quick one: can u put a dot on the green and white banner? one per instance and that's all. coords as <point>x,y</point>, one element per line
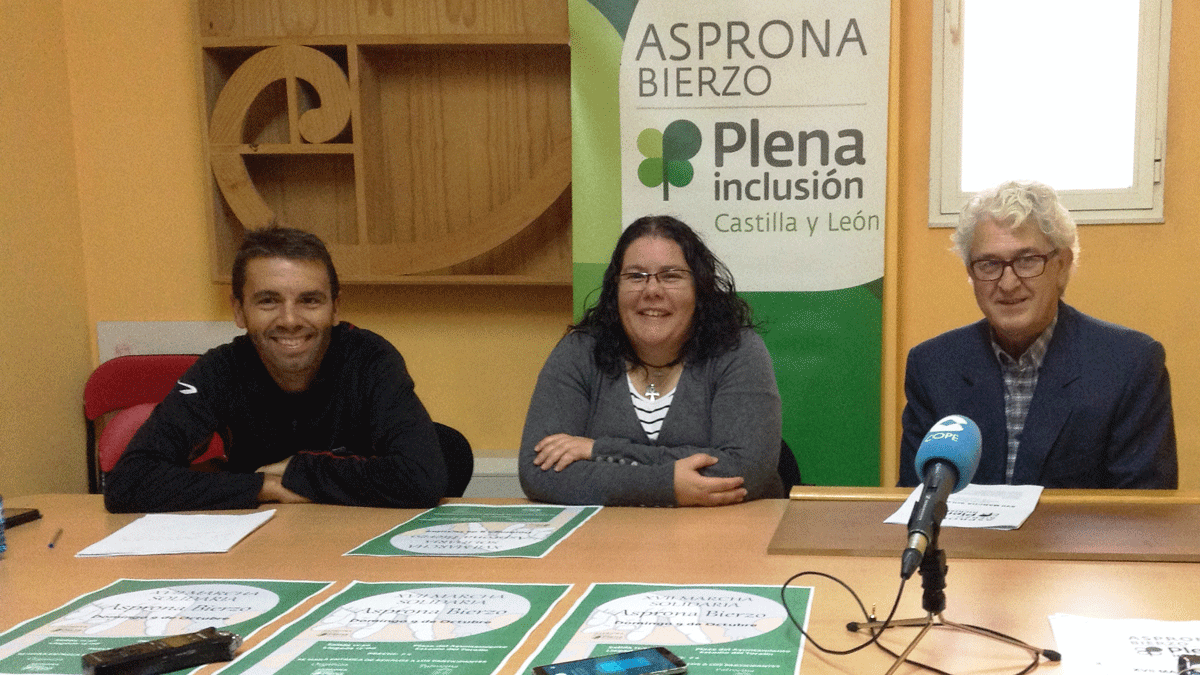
<point>764,127</point>
<point>726,629</point>
<point>133,610</point>
<point>481,531</point>
<point>384,628</point>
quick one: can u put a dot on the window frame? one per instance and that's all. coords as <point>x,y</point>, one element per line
<point>1140,203</point>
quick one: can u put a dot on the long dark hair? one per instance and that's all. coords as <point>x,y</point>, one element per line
<point>717,320</point>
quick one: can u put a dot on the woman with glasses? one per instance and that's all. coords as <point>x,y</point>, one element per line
<point>662,394</point>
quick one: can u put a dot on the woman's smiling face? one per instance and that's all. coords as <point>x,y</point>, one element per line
<point>657,320</point>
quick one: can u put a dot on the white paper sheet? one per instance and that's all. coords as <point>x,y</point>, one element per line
<point>1122,646</point>
<point>165,533</point>
<point>996,507</point>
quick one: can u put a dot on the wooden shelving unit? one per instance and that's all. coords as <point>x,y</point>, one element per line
<point>427,141</point>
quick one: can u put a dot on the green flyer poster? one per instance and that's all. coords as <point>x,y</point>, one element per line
<point>133,610</point>
<point>725,630</point>
<point>386,627</point>
<point>481,530</point>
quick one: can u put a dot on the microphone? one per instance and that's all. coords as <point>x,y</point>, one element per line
<point>946,461</point>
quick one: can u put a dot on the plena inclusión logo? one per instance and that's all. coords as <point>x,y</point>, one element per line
<point>667,153</point>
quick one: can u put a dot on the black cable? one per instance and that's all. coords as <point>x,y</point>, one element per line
<point>1050,654</point>
<point>1028,669</point>
<point>875,636</point>
<point>876,633</point>
<point>924,666</point>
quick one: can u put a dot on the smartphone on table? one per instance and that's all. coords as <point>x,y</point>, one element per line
<point>652,661</point>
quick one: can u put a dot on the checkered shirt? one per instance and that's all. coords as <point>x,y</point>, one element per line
<point>1020,380</point>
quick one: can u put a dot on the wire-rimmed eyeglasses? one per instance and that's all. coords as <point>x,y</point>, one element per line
<point>673,278</point>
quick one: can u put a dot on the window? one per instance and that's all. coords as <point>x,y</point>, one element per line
<point>1069,92</point>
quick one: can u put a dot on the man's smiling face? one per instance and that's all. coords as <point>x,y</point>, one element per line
<point>1018,309</point>
<point>289,314</point>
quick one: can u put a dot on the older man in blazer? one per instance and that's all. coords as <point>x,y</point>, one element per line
<point>1062,399</point>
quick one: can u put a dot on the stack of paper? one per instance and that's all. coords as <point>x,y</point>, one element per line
<point>1120,646</point>
<point>161,533</point>
<point>996,507</point>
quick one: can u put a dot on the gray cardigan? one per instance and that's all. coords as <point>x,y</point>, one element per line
<point>727,407</point>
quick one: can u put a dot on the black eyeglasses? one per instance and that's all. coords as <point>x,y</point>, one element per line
<point>668,278</point>
<point>1025,267</point>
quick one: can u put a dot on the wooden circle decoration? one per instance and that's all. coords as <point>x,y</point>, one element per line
<point>317,125</point>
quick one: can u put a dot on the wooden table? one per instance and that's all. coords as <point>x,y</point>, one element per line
<point>718,546</point>
<point>1134,525</point>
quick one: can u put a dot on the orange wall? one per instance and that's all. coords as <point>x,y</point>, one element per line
<point>474,353</point>
<point>124,88</point>
<point>1137,275</point>
<point>44,355</point>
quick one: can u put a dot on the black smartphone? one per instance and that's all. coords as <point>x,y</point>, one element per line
<point>652,661</point>
<point>15,517</point>
<point>1189,664</point>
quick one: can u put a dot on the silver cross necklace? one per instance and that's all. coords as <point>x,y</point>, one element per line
<point>658,372</point>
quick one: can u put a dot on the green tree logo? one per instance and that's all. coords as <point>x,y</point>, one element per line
<point>667,154</point>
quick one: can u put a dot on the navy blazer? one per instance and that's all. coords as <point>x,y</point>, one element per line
<point>1100,416</point>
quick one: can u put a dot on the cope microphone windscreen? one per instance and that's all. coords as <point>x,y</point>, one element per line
<point>954,439</point>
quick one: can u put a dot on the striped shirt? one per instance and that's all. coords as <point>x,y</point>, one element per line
<point>650,413</point>
<point>1020,380</point>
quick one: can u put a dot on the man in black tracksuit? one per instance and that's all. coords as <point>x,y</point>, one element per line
<point>309,409</point>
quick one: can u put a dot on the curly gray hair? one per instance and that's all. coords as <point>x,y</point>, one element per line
<point>1016,202</point>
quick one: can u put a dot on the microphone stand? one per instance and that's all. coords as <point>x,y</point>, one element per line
<point>933,600</point>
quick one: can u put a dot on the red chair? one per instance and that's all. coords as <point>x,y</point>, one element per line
<point>117,399</point>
